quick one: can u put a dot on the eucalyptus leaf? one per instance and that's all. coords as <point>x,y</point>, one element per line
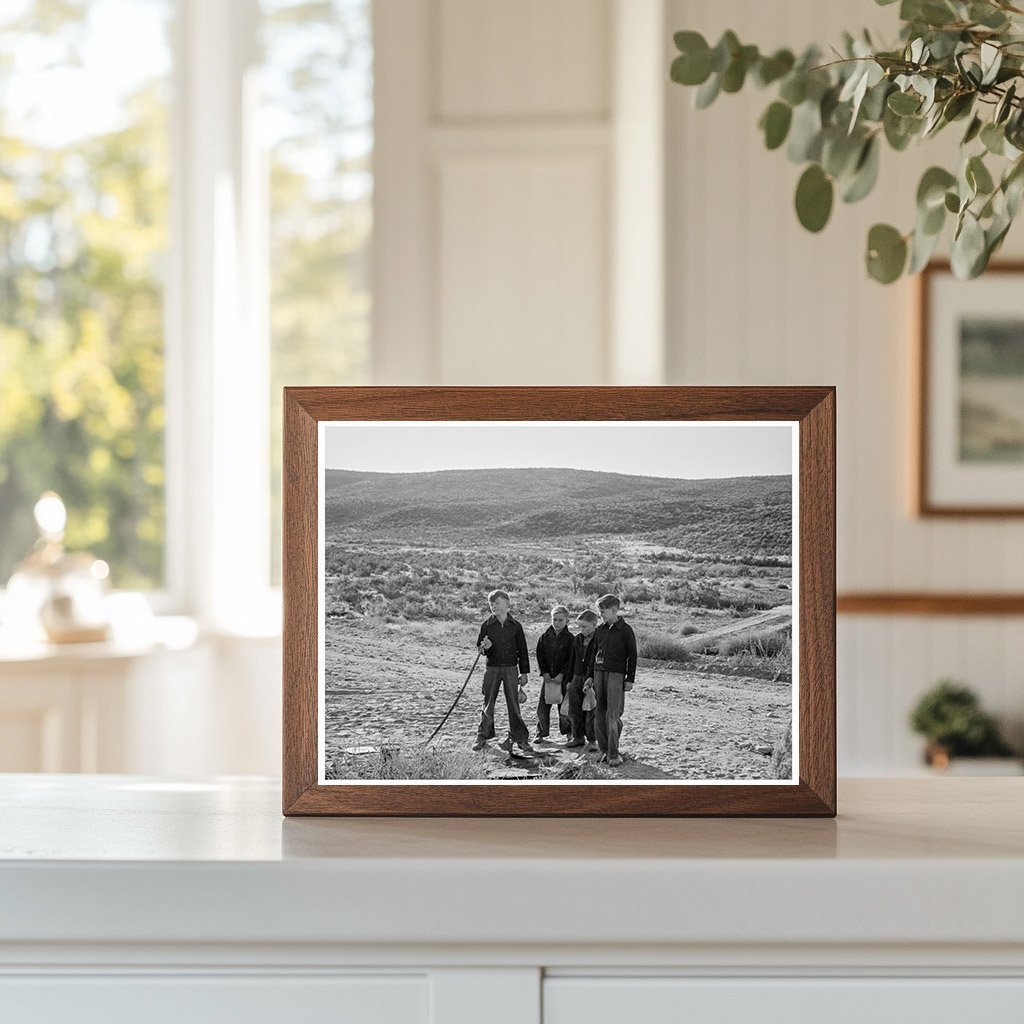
<point>966,187</point>
<point>814,195</point>
<point>933,122</point>
<point>724,51</point>
<point>735,74</point>
<point>968,247</point>
<point>1013,187</point>
<point>932,220</point>
<point>922,247</point>
<point>973,130</point>
<point>805,133</point>
<point>944,44</point>
<point>929,12</point>
<point>691,68</point>
<point>827,106</point>
<point>1014,191</point>
<point>840,152</point>
<point>873,106</point>
<point>707,93</point>
<point>993,138</point>
<point>995,233</point>
<point>1005,104</point>
<point>925,87</point>
<point>991,60</point>
<point>958,105</point>
<point>886,253</point>
<point>931,190</point>
<point>904,103</point>
<point>775,124</point>
<point>794,88</point>
<point>689,42</point>
<point>865,173</point>
<point>771,69</point>
<point>978,175</point>
<point>900,130</point>
<point>987,15</point>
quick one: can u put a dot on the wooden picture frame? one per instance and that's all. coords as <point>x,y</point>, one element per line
<point>926,503</point>
<point>812,791</point>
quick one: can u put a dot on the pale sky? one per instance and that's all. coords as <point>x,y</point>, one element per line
<point>678,450</point>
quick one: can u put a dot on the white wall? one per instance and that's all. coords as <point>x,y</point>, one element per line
<point>754,299</point>
<point>518,240</point>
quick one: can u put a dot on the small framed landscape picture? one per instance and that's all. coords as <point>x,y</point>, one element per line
<point>559,601</point>
<point>970,450</point>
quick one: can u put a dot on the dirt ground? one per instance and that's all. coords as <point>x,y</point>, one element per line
<point>390,684</point>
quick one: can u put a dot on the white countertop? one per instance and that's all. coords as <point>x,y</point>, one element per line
<point>124,859</point>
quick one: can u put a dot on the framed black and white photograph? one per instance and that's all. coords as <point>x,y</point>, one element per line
<point>971,393</point>
<point>599,611</point>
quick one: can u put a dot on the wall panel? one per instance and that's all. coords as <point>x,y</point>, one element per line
<point>521,290</point>
<point>529,58</point>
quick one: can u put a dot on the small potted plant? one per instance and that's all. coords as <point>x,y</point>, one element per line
<point>950,718</point>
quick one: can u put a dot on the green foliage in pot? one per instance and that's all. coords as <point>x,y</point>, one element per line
<point>950,717</point>
<point>957,62</point>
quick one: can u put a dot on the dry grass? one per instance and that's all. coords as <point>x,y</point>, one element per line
<point>583,770</point>
<point>662,647</point>
<point>781,764</point>
<point>760,652</point>
<point>765,644</point>
<point>411,762</point>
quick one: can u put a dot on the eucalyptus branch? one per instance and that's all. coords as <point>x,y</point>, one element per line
<point>954,60</point>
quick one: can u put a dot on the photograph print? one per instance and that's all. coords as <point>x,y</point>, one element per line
<point>527,603</point>
<point>971,393</point>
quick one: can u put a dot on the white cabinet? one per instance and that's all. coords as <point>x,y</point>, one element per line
<point>202,999</point>
<point>127,899</point>
<point>831,1000</point>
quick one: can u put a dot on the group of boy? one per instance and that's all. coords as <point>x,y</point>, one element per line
<point>595,666</point>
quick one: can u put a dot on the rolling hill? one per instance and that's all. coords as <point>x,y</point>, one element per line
<point>732,516</point>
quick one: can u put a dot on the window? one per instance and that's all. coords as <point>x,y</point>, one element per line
<point>185,222</point>
<point>316,120</point>
<point>83,238</point>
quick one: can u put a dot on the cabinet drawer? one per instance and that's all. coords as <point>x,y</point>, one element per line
<point>675,1000</point>
<point>205,999</point>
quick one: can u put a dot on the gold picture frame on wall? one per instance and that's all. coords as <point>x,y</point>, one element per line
<point>970,393</point>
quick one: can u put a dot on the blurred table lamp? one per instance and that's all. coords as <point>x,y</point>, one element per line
<point>56,593</point>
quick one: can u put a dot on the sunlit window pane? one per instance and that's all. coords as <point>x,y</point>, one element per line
<point>317,122</point>
<point>83,236</point>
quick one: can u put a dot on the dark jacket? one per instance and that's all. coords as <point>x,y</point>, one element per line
<point>553,652</point>
<point>508,643</point>
<point>613,650</point>
<point>577,663</point>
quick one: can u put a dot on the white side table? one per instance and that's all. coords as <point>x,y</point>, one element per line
<point>96,707</point>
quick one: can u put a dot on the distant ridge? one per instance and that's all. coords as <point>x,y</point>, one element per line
<point>733,515</point>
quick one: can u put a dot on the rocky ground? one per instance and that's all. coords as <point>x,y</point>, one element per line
<point>389,684</point>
